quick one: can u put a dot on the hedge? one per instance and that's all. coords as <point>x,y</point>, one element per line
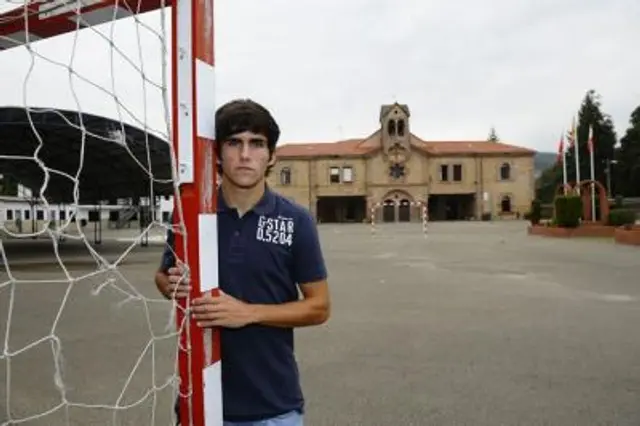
<point>568,209</point>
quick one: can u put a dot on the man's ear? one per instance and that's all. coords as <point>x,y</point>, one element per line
<point>272,160</point>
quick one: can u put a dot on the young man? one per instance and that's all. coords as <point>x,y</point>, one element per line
<point>269,250</point>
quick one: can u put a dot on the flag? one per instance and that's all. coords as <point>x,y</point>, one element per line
<point>561,151</point>
<point>576,150</point>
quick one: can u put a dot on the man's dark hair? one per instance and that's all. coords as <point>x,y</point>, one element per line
<point>246,115</point>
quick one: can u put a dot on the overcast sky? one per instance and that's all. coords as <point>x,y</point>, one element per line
<point>325,67</point>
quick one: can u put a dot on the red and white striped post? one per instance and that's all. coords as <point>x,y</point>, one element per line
<point>193,133</point>
<point>193,111</point>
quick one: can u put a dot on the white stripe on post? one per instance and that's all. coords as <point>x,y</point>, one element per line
<point>184,91</point>
<point>212,381</point>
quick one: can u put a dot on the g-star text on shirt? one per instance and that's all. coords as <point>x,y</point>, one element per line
<point>275,231</point>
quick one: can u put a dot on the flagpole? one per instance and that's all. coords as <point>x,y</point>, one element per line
<point>576,153</point>
<point>564,168</point>
<point>562,153</point>
<point>593,178</point>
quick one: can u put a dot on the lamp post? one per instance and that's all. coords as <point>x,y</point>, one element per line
<point>608,172</point>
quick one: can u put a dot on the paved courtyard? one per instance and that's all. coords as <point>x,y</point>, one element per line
<point>477,324</point>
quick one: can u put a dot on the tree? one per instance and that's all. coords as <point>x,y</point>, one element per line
<point>604,135</point>
<point>590,113</point>
<point>8,185</point>
<point>548,182</point>
<point>493,136</point>
<point>627,169</point>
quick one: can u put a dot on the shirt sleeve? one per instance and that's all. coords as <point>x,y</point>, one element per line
<point>308,259</point>
<point>168,257</point>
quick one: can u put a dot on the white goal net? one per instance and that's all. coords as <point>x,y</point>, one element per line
<point>106,133</point>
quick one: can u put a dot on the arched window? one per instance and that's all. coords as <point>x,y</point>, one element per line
<point>505,171</point>
<point>285,176</point>
<point>400,127</point>
<point>391,127</point>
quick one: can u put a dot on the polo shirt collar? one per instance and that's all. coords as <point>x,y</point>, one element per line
<point>265,206</point>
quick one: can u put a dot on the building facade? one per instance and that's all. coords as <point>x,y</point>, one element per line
<point>392,173</point>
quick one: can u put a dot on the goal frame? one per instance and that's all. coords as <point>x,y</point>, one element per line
<point>193,138</point>
<point>421,205</point>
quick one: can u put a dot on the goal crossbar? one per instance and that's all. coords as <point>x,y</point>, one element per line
<point>192,133</point>
<point>45,19</point>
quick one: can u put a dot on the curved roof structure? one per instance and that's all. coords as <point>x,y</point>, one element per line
<point>118,160</point>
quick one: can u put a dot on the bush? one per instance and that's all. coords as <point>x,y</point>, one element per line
<point>618,203</point>
<point>535,214</point>
<point>568,210</point>
<point>621,217</point>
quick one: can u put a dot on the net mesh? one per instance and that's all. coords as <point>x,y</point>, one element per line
<point>85,336</point>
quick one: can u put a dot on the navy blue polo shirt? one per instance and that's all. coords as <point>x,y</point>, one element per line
<point>262,257</point>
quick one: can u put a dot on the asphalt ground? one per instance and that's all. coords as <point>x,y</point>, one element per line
<point>474,324</point>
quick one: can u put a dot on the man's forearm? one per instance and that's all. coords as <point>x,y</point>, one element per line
<point>300,313</point>
<point>162,283</point>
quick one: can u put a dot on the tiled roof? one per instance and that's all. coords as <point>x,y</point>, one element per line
<point>474,147</point>
<point>354,147</point>
<point>342,148</point>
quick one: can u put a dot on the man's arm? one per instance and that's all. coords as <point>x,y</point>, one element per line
<point>313,309</point>
<point>161,278</point>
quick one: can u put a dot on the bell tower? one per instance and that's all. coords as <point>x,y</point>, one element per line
<point>395,134</point>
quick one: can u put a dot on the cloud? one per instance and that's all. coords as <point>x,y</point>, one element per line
<point>325,67</point>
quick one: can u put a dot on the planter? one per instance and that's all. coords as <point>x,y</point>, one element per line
<point>628,236</point>
<point>589,229</point>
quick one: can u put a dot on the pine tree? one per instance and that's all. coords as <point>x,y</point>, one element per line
<point>604,135</point>
<point>627,169</point>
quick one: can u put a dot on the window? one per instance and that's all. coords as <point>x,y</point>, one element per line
<point>334,175</point>
<point>39,215</point>
<point>9,214</point>
<point>505,171</point>
<point>27,214</point>
<point>457,172</point>
<point>391,127</point>
<point>400,127</point>
<point>347,174</point>
<point>63,215</point>
<point>285,176</point>
<point>444,172</point>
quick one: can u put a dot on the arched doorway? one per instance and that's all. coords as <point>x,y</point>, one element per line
<point>505,204</point>
<point>388,211</point>
<point>404,211</point>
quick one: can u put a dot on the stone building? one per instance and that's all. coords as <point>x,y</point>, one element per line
<point>394,170</point>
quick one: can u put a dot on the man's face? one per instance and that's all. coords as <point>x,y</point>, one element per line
<point>245,158</point>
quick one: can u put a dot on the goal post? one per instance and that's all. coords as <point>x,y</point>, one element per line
<point>376,213</point>
<point>192,99</point>
<point>193,107</point>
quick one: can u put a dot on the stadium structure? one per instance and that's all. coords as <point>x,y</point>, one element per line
<point>115,166</point>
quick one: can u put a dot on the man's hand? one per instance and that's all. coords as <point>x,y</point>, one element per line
<point>222,311</point>
<point>177,285</point>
